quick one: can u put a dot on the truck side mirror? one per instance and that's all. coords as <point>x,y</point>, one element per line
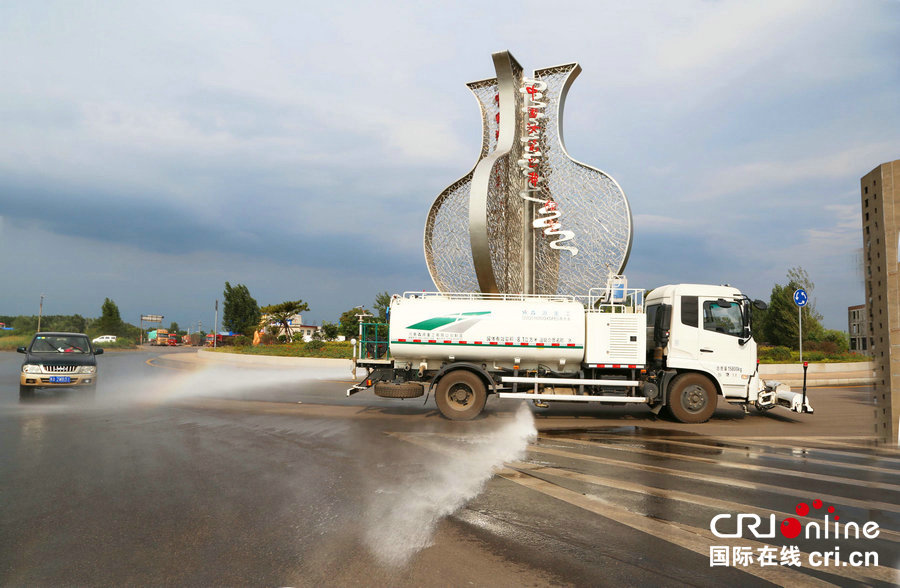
<point>20,350</point>
<point>760,305</point>
<point>722,303</point>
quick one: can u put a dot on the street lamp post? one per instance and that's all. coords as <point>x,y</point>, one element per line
<point>40,313</point>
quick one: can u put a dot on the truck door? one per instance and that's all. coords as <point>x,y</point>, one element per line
<point>721,353</point>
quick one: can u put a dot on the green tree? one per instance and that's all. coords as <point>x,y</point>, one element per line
<point>173,328</point>
<point>240,312</point>
<point>381,305</point>
<point>780,323</point>
<point>110,321</point>
<point>282,313</point>
<point>330,331</point>
<point>67,323</point>
<point>349,322</point>
<point>25,325</point>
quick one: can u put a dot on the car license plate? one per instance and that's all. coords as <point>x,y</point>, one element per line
<point>60,380</point>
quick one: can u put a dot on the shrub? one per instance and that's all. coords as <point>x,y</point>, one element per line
<point>826,346</point>
<point>242,340</point>
<point>282,338</point>
<point>814,356</point>
<point>779,353</point>
<point>266,339</point>
<point>314,345</point>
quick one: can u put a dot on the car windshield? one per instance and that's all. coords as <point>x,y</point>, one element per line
<point>60,344</point>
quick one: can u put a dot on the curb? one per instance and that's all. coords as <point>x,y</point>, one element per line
<point>822,382</point>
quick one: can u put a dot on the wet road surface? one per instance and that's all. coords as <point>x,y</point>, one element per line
<point>178,475</point>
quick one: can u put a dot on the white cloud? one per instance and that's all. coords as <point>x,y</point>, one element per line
<point>729,35</point>
<point>842,164</point>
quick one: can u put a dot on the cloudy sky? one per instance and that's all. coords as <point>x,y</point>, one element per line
<point>151,151</point>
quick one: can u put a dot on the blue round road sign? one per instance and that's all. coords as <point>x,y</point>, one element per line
<point>800,297</point>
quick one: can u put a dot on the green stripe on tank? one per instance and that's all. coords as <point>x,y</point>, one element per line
<point>440,321</point>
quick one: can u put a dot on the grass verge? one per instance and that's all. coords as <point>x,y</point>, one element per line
<point>326,349</point>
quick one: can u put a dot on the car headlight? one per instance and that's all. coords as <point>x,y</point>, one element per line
<point>88,369</point>
<point>30,368</point>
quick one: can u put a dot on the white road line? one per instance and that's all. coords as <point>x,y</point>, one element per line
<point>677,495</point>
<point>678,535</point>
<point>733,482</point>
<point>881,573</point>
<point>744,452</point>
<point>835,441</point>
<point>733,465</point>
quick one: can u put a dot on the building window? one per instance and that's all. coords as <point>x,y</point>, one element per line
<point>866,191</point>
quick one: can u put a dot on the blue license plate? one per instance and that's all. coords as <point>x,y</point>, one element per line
<point>60,380</point>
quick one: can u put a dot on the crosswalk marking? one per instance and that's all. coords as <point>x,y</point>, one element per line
<point>544,474</point>
<point>737,483</point>
<point>740,466</point>
<point>696,539</point>
<point>750,453</point>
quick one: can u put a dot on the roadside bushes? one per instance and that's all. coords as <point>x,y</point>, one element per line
<point>328,349</point>
<point>314,345</point>
<point>781,354</point>
<point>778,353</point>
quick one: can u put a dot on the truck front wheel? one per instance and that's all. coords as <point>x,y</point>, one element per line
<point>461,395</point>
<point>692,398</point>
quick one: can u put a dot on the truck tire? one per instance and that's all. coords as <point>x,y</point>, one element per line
<point>461,395</point>
<point>692,398</point>
<point>404,390</point>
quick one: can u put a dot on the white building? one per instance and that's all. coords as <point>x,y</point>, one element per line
<point>297,329</point>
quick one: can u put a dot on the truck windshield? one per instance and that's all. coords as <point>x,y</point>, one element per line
<point>723,320</point>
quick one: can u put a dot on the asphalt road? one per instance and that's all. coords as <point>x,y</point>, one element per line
<point>184,475</point>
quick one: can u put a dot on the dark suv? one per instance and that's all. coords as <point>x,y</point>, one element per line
<point>58,360</point>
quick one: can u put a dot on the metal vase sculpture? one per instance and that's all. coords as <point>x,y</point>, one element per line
<point>528,219</point>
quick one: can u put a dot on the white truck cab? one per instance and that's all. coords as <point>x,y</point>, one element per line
<point>709,332</point>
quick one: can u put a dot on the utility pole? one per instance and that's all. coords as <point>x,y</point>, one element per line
<point>40,313</point>
<point>216,328</point>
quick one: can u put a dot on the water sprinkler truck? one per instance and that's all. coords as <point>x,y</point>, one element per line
<point>680,348</point>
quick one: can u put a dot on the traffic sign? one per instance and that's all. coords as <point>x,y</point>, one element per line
<point>800,297</point>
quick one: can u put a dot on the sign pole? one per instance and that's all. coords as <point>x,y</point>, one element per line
<point>801,298</point>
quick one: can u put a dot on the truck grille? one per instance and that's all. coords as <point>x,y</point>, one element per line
<point>60,369</point>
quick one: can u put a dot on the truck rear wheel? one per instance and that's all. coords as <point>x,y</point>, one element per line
<point>461,395</point>
<point>692,398</point>
<point>404,390</point>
